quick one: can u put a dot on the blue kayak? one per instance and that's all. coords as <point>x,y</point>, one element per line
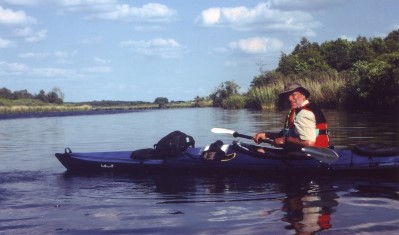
<point>236,157</point>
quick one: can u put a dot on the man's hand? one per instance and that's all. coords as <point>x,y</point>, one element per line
<point>259,137</point>
<point>279,141</point>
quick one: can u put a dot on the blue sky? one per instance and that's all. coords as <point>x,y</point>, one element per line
<point>140,50</point>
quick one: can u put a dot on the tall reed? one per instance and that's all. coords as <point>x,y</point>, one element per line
<point>325,90</point>
<point>264,97</point>
<point>234,102</point>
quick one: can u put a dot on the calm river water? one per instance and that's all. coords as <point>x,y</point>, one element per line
<point>37,196</point>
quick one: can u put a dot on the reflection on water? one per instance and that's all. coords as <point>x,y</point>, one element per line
<point>195,204</point>
<point>38,197</point>
<point>311,210</point>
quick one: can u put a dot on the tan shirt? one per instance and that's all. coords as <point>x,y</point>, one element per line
<point>305,124</point>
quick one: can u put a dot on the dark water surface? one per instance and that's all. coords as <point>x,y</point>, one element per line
<point>37,196</point>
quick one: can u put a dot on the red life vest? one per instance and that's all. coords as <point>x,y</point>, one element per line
<point>322,139</point>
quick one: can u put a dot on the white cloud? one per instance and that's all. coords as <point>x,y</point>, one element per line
<point>304,5</point>
<point>211,16</point>
<point>32,55</point>
<point>101,60</point>
<point>4,43</point>
<point>257,45</point>
<point>92,41</point>
<point>11,17</point>
<point>54,72</point>
<point>12,68</point>
<point>97,69</point>
<point>59,57</point>
<point>87,5</point>
<point>30,35</point>
<point>260,18</point>
<point>64,57</point>
<point>150,12</point>
<point>9,69</point>
<point>159,47</point>
<point>24,2</point>
<point>347,38</point>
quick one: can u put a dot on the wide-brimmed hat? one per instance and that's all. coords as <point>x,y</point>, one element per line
<point>294,86</point>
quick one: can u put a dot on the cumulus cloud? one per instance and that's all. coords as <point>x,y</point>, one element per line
<point>11,17</point>
<point>159,47</point>
<point>257,45</point>
<point>260,18</point>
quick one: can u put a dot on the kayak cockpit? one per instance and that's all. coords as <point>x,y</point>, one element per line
<point>268,152</point>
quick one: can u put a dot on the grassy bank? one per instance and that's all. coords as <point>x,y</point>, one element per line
<point>326,91</point>
<point>22,106</point>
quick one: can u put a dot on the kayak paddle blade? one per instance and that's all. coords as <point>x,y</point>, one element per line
<point>222,131</point>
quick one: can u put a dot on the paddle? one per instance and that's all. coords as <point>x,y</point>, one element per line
<point>322,154</point>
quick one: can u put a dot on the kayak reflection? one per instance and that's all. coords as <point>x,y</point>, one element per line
<point>309,210</point>
<point>307,205</point>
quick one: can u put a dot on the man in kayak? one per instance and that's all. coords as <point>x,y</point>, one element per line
<point>305,124</point>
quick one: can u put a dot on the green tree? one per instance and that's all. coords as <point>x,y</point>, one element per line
<point>372,85</point>
<point>305,58</point>
<point>361,50</point>
<point>55,96</point>
<point>22,94</point>
<point>161,101</point>
<point>337,54</point>
<point>224,91</point>
<point>42,96</point>
<point>378,46</point>
<point>5,93</point>
<point>392,41</point>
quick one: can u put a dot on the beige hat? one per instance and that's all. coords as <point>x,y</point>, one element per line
<point>294,86</point>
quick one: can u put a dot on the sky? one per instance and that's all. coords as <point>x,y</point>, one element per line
<point>180,49</point>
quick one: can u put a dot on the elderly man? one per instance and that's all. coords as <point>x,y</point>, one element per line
<point>305,124</point>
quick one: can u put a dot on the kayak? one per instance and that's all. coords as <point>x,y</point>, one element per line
<point>236,157</point>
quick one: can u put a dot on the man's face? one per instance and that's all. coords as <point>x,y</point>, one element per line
<point>296,99</point>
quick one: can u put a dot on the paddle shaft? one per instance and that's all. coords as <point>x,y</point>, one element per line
<point>236,134</point>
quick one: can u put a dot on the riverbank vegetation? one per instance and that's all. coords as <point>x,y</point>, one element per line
<point>359,74</point>
<point>20,102</point>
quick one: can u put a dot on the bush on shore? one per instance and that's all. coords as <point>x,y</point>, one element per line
<point>360,74</point>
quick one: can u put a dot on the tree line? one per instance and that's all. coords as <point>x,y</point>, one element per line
<point>55,96</point>
<point>363,73</point>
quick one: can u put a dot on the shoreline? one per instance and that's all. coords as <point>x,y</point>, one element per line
<point>16,112</point>
<point>8,116</point>
<point>89,111</point>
